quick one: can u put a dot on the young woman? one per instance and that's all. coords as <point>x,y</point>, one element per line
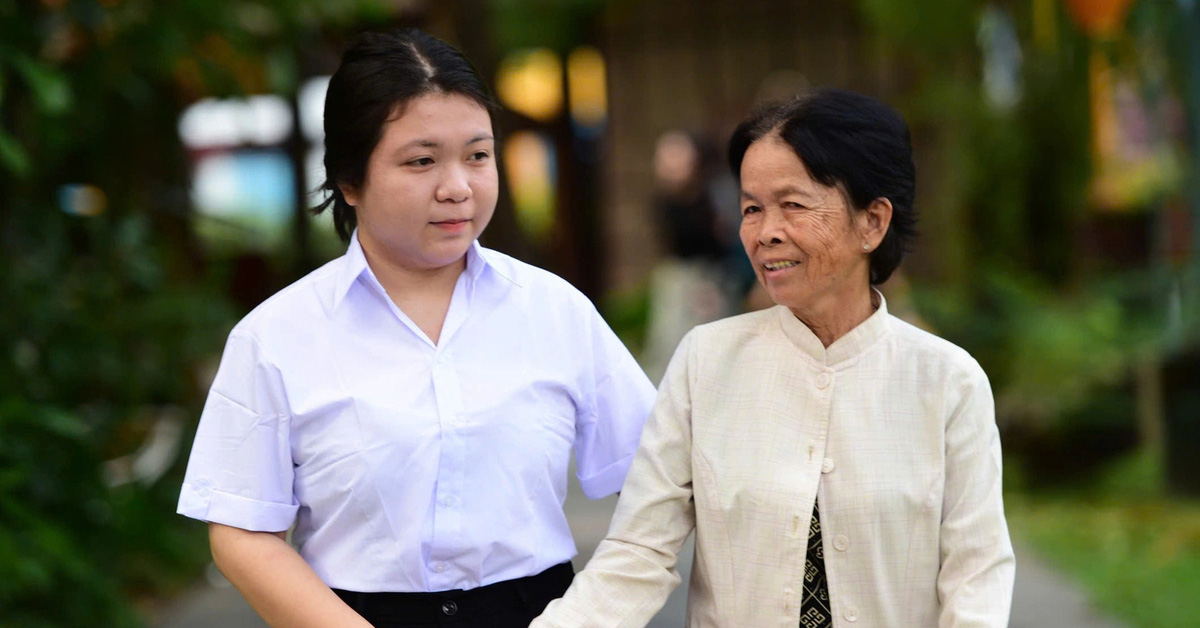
<point>411,407</point>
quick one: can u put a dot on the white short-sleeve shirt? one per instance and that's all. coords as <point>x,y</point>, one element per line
<point>410,466</point>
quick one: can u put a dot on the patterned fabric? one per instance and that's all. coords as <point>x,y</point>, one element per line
<point>814,607</point>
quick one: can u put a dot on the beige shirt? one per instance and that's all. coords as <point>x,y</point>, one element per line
<point>892,427</point>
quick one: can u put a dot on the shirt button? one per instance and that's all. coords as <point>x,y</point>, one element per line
<point>450,608</point>
<point>827,465</point>
<point>822,380</point>
<point>439,568</point>
<point>448,501</point>
<point>841,542</point>
<point>851,614</point>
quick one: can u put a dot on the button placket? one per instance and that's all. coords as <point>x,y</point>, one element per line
<point>447,532</point>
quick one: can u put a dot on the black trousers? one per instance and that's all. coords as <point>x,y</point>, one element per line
<point>512,603</point>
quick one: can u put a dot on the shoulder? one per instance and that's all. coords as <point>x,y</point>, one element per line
<point>723,342</point>
<point>536,283</point>
<point>296,308</point>
<point>943,359</point>
<point>737,329</point>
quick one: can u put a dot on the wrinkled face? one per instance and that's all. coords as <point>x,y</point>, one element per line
<point>805,244</point>
<point>431,183</point>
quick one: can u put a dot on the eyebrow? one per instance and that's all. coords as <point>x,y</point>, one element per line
<point>784,191</point>
<point>424,143</point>
<point>791,189</point>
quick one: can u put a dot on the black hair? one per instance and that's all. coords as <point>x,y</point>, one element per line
<point>852,142</point>
<point>380,73</point>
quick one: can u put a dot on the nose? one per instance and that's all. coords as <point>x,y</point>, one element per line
<point>770,229</point>
<point>454,186</point>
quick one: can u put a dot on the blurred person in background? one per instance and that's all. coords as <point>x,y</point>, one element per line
<point>691,285</point>
<point>839,466</point>
<point>412,406</point>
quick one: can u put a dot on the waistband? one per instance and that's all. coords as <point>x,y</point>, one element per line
<point>457,604</point>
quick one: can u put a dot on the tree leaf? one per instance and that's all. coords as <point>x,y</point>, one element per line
<point>13,155</point>
<point>50,88</point>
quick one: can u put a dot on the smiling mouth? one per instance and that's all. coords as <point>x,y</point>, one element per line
<point>780,265</point>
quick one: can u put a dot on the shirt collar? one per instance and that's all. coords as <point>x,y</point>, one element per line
<point>354,264</point>
<point>854,343</point>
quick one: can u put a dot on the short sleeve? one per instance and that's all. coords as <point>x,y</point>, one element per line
<point>240,470</point>
<point>618,398</point>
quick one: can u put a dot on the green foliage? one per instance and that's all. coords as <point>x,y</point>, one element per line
<point>111,319</point>
<point>554,24</point>
<point>942,29</point>
<point>1011,282</point>
<point>98,339</point>
<point>1136,551</point>
<point>1048,353</point>
<point>53,510</point>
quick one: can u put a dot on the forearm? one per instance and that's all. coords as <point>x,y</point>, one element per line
<point>633,569</point>
<point>622,586</point>
<point>277,582</point>
<point>977,566</point>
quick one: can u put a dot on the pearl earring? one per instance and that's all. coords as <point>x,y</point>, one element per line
<point>866,247</point>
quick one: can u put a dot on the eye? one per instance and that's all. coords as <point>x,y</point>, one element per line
<point>480,155</point>
<point>421,162</point>
<point>751,209</point>
<point>793,205</point>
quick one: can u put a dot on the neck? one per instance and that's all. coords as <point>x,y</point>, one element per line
<point>835,318</point>
<point>401,279</point>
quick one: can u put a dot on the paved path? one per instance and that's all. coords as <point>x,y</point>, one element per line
<point>1042,598</point>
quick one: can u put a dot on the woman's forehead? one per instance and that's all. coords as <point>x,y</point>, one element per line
<point>776,164</point>
<point>438,119</point>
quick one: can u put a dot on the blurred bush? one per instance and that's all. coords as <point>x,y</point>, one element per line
<point>99,343</point>
<point>112,313</point>
<point>1018,265</point>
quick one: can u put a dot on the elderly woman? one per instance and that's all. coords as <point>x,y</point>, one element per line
<point>839,466</point>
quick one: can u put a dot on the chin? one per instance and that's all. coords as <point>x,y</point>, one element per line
<point>787,299</point>
<point>445,256</point>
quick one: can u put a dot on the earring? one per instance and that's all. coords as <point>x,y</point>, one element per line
<point>866,247</point>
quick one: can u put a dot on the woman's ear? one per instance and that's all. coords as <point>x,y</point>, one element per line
<point>874,222</point>
<point>350,193</point>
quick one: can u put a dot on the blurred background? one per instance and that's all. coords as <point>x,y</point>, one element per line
<point>157,160</point>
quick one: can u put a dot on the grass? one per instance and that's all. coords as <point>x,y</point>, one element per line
<point>1133,548</point>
